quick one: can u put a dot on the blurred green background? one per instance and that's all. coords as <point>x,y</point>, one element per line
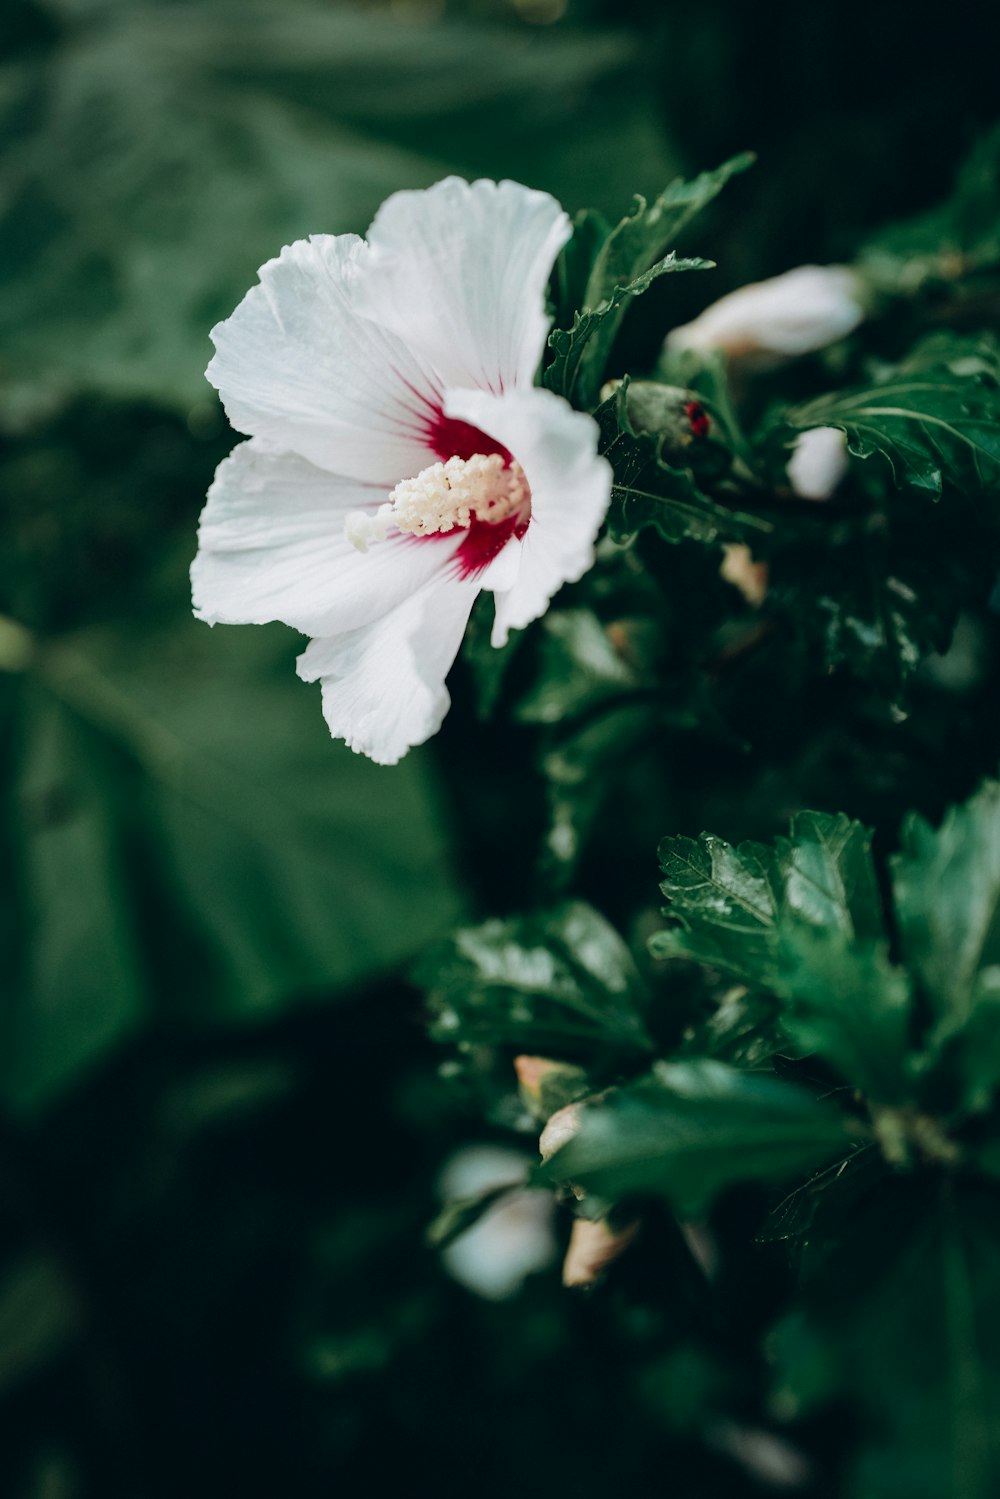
<point>221,1123</point>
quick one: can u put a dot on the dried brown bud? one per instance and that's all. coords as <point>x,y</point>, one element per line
<point>739,568</point>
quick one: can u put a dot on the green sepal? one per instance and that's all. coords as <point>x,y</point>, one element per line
<point>648,490</point>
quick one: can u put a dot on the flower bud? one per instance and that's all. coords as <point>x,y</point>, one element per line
<point>818,463</point>
<point>513,1239</point>
<point>560,1129</point>
<point>795,313</point>
<point>739,569</point>
<point>593,1246</point>
<point>546,1085</point>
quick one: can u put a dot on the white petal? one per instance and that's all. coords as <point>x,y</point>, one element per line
<point>819,462</point>
<point>795,313</point>
<point>459,273</point>
<point>271,546</point>
<point>570,491</point>
<point>383,684</point>
<point>479,1168</point>
<point>514,1239</point>
<point>297,365</point>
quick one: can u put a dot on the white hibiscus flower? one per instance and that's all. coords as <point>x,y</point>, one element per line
<point>400,456</point>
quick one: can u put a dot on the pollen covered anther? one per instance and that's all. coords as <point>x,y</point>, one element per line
<point>446,497</point>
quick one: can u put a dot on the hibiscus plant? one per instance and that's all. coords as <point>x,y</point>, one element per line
<point>513,1008</point>
<point>792,498</point>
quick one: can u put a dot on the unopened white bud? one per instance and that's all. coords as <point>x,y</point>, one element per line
<point>564,1124</point>
<point>514,1238</point>
<point>818,463</point>
<point>795,313</point>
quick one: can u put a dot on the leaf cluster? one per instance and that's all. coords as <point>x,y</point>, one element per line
<point>848,1049</point>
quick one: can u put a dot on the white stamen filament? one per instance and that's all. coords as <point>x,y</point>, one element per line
<point>445,497</point>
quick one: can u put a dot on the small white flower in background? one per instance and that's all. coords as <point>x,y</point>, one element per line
<point>795,313</point>
<point>401,458</point>
<point>818,463</point>
<point>514,1238</point>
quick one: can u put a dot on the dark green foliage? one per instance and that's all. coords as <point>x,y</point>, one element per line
<point>139,790</point>
<point>900,1305</point>
<point>934,418</point>
<point>955,240</point>
<point>221,1128</point>
<point>802,921</point>
<point>947,887</point>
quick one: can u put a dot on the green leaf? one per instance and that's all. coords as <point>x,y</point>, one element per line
<point>846,1002</point>
<point>968,1059</point>
<point>693,1128</point>
<point>580,775</point>
<point>575,263</point>
<point>935,418</point>
<point>730,903</point>
<point>562,980</point>
<point>744,1030</point>
<point>38,1318</point>
<point>946,885</point>
<point>580,352</point>
<point>947,895</point>
<point>829,874</point>
<point>603,269</point>
<point>650,491</point>
<point>648,231</point>
<point>81,981</point>
<point>803,921</point>
<point>188,835</point>
<point>725,904</point>
<point>621,271</point>
<point>305,864</point>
